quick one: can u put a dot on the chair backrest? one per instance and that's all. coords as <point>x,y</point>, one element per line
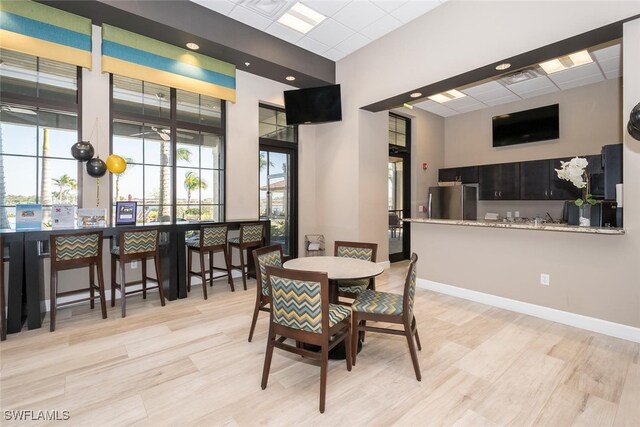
<point>213,235</point>
<point>365,251</point>
<point>299,299</point>
<point>410,287</point>
<point>139,243</point>
<point>68,250</point>
<point>251,233</point>
<point>263,257</point>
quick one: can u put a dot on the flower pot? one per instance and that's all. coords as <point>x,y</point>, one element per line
<point>585,215</point>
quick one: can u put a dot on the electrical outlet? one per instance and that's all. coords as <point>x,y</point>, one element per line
<point>545,279</point>
<point>134,265</point>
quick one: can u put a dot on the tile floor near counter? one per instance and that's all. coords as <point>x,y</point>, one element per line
<point>189,363</point>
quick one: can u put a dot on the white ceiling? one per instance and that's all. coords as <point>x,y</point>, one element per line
<point>607,65</point>
<point>350,24</point>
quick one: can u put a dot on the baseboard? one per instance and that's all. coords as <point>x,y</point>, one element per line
<point>384,264</point>
<point>577,320</point>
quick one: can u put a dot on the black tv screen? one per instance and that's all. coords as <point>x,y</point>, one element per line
<point>313,105</point>
<point>538,124</point>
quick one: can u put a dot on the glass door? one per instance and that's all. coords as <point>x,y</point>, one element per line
<point>399,187</point>
<point>276,196</point>
<point>395,207</point>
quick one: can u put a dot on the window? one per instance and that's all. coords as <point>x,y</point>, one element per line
<point>38,126</point>
<point>397,130</point>
<point>175,155</point>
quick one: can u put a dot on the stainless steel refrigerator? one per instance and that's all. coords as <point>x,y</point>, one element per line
<point>454,202</point>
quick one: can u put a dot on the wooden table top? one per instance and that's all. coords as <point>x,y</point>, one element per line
<point>337,268</point>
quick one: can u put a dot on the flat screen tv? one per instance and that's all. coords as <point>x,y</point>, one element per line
<point>313,105</point>
<point>538,124</point>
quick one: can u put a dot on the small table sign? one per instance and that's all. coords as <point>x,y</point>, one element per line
<point>63,216</point>
<point>28,216</point>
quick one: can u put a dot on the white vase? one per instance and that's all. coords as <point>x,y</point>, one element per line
<point>585,215</point>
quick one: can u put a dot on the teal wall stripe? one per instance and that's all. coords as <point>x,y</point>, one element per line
<point>43,31</point>
<point>147,59</point>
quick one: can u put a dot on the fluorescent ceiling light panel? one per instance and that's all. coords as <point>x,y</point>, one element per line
<point>301,18</point>
<point>564,63</point>
<point>447,96</point>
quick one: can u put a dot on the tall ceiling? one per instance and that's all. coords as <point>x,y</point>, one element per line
<point>349,24</point>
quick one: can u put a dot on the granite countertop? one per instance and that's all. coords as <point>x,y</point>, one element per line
<point>563,228</point>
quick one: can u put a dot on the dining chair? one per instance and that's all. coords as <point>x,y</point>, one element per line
<point>300,310</point>
<point>251,236</point>
<point>390,308</point>
<point>268,255</point>
<point>135,245</point>
<point>76,250</point>
<point>351,288</point>
<point>211,240</point>
<point>3,314</point>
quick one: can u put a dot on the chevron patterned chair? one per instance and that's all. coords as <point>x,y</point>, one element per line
<point>73,251</point>
<point>3,316</point>
<point>212,239</point>
<point>365,251</point>
<point>251,236</point>
<point>135,245</point>
<point>391,308</point>
<point>300,310</point>
<point>262,257</point>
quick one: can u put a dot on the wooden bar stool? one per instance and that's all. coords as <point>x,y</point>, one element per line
<point>135,245</point>
<point>212,239</point>
<point>251,236</point>
<point>3,314</point>
<point>72,251</point>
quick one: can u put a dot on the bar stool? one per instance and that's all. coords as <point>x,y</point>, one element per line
<point>212,239</point>
<point>251,236</point>
<point>135,245</point>
<point>3,314</point>
<point>72,251</point>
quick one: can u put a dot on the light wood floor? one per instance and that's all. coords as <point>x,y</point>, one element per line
<point>189,363</point>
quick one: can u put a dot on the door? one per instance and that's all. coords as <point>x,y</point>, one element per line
<point>277,189</point>
<point>397,187</point>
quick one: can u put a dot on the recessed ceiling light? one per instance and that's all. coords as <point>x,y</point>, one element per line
<point>301,18</point>
<point>409,106</point>
<point>193,46</point>
<point>290,78</point>
<point>503,66</point>
<point>565,62</point>
<point>416,95</point>
<point>246,64</point>
<point>447,96</point>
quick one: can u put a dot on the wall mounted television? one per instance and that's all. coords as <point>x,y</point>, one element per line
<point>313,105</point>
<point>538,124</point>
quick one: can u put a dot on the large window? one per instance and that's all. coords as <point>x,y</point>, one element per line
<point>38,126</point>
<point>173,142</point>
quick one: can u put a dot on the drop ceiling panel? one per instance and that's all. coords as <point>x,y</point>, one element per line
<point>382,26</point>
<point>537,85</point>
<point>353,43</point>
<point>358,15</point>
<point>330,32</point>
<point>594,78</point>
<point>334,54</point>
<point>283,32</point>
<point>327,8</point>
<point>435,108</point>
<point>612,64</point>
<point>250,17</point>
<point>504,100</point>
<point>313,45</point>
<point>412,9</point>
<point>610,52</point>
<point>460,103</point>
<point>223,7</point>
<point>576,73</point>
<point>483,88</point>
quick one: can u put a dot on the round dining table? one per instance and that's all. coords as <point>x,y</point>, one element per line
<point>337,268</point>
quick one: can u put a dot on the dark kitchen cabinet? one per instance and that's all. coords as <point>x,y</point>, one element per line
<point>560,189</point>
<point>612,169</point>
<point>465,175</point>
<point>534,180</point>
<point>596,176</point>
<point>499,182</point>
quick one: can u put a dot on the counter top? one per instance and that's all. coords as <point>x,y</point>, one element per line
<point>521,226</point>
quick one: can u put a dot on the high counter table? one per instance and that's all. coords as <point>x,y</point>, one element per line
<point>26,296</point>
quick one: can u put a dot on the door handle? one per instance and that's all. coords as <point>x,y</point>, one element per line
<point>495,194</point>
<point>546,193</point>
<point>500,193</point>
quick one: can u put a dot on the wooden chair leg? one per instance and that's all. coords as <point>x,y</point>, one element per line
<point>101,291</point>
<point>53,290</point>
<point>267,358</point>
<point>144,278</point>
<point>414,328</point>
<point>189,261</point>
<point>412,350</point>
<point>347,347</point>
<point>123,290</point>
<point>242,267</point>
<point>323,376</point>
<point>211,253</point>
<point>227,263</point>
<point>254,320</point>
<point>156,261</point>
<point>355,333</point>
<point>203,275</point>
<point>113,281</point>
<point>92,286</point>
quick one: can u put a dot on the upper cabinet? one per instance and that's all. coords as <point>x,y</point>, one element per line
<point>559,189</point>
<point>465,175</point>
<point>499,182</point>
<point>534,180</point>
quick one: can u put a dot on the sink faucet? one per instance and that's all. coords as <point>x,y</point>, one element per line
<point>550,217</point>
